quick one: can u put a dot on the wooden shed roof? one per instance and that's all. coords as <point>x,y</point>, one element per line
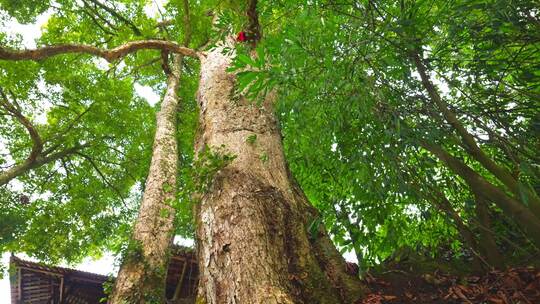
<point>38,283</point>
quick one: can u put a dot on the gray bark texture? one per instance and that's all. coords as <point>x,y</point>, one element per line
<point>252,221</point>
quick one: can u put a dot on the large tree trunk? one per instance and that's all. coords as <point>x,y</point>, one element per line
<point>253,238</point>
<point>141,278</point>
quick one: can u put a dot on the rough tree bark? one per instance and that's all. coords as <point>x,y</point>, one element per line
<point>141,278</point>
<point>252,232</point>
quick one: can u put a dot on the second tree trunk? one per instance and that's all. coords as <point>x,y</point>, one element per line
<point>141,278</point>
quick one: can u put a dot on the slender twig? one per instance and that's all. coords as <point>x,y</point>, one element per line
<point>118,16</point>
<point>105,180</point>
<point>94,20</point>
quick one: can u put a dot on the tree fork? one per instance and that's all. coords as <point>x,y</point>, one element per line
<point>37,156</point>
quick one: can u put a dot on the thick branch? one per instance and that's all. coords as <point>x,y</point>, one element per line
<point>489,245</point>
<point>109,55</point>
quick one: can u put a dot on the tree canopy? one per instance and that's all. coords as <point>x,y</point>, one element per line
<point>409,124</point>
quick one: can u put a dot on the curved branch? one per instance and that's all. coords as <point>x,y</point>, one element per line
<point>37,142</point>
<point>109,55</point>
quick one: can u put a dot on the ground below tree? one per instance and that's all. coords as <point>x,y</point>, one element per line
<point>400,285</point>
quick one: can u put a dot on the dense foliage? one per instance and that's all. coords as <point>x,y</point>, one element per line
<point>377,100</point>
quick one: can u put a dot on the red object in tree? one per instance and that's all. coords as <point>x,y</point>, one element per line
<point>241,37</point>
